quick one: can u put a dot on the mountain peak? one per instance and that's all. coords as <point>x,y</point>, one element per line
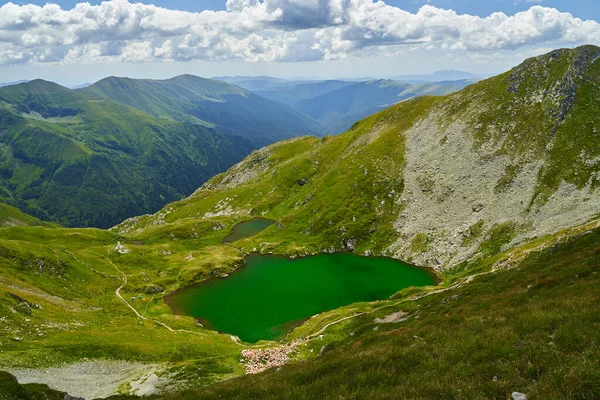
<point>113,78</point>
<point>188,76</point>
<point>581,57</point>
<point>554,73</point>
<point>41,85</point>
<point>38,88</point>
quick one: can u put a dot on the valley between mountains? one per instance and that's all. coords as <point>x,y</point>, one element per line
<point>493,187</point>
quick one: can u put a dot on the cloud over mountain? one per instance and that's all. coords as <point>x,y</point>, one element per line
<point>269,30</point>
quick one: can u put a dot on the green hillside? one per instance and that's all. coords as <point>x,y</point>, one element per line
<point>228,108</point>
<point>433,180</point>
<point>531,330</point>
<point>81,161</point>
<point>494,187</point>
<point>12,216</point>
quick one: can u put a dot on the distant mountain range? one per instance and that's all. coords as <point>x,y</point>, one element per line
<point>3,84</point>
<point>441,76</point>
<point>220,105</point>
<point>80,86</point>
<point>255,83</point>
<point>295,92</point>
<point>81,160</point>
<point>71,155</point>
<point>259,83</point>
<point>337,104</point>
<point>338,109</point>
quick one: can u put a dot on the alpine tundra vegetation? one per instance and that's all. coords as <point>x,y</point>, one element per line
<point>493,187</point>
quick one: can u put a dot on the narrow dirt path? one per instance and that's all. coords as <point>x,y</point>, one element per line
<point>416,297</point>
<point>100,274</point>
<point>120,297</point>
<point>123,279</point>
<point>510,260</point>
<point>118,294</point>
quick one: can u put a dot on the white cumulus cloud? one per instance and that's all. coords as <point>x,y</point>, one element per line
<point>268,30</point>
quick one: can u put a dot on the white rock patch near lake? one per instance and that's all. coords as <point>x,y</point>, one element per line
<point>391,318</point>
<point>96,379</point>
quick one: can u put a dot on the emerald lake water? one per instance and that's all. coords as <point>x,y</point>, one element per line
<point>271,294</point>
<point>248,228</point>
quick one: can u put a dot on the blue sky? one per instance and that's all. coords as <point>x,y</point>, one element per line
<point>287,38</point>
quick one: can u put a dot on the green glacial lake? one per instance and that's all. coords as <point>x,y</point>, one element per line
<point>271,294</point>
<point>248,228</point>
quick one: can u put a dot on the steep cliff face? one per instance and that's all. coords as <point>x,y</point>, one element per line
<point>435,180</point>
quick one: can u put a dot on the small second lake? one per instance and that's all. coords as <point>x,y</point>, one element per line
<point>271,294</point>
<point>248,228</point>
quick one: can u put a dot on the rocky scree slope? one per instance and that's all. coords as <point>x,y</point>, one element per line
<point>514,157</point>
<point>434,180</point>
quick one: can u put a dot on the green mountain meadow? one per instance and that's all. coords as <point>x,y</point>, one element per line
<point>83,161</point>
<point>493,187</point>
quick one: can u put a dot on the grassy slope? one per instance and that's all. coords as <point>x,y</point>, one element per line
<point>12,216</point>
<point>232,110</point>
<point>330,193</point>
<point>294,184</point>
<point>535,328</point>
<point>68,157</point>
<point>160,257</point>
<point>58,302</point>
